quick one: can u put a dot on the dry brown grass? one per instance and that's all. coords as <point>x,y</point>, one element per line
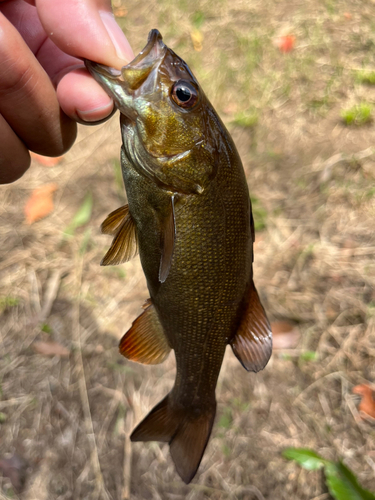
<point>70,418</point>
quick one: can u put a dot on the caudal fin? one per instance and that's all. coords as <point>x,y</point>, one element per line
<point>187,433</point>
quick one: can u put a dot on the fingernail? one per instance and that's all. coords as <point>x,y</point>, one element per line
<point>96,114</point>
<point>121,44</point>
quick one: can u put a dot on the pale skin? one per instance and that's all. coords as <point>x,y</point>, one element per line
<point>44,88</point>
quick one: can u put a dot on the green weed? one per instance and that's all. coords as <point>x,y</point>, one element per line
<point>359,114</point>
<point>82,216</point>
<point>341,481</point>
<point>365,77</point>
<point>226,419</point>
<point>46,328</point>
<point>8,302</point>
<point>259,214</point>
<point>246,119</point>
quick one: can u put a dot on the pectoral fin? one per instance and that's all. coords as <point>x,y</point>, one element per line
<point>120,224</point>
<point>145,342</point>
<point>252,343</point>
<point>168,239</point>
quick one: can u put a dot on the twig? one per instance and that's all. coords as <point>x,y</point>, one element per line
<point>53,285</point>
<point>83,391</point>
<point>127,457</point>
<point>338,158</point>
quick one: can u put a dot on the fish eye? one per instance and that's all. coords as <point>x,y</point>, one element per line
<point>184,94</point>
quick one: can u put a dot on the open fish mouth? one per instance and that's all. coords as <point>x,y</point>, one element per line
<point>135,78</point>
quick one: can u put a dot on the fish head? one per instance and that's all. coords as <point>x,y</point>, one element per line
<point>170,130</point>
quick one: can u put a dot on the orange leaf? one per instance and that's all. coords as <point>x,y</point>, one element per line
<point>50,349</point>
<point>120,12</point>
<point>40,203</point>
<point>285,335</point>
<point>286,43</point>
<point>46,161</point>
<point>367,404</point>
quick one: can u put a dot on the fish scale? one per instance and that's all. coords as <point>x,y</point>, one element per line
<point>189,215</point>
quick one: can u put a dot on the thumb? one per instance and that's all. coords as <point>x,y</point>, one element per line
<point>85,29</point>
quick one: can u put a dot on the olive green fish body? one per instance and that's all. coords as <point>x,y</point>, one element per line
<point>189,215</point>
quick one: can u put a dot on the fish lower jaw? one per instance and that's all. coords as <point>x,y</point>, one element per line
<point>127,121</point>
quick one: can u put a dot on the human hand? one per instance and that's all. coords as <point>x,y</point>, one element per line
<point>44,88</point>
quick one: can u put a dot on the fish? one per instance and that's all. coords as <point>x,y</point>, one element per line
<point>189,217</point>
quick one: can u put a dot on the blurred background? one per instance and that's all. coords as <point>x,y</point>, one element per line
<point>294,83</point>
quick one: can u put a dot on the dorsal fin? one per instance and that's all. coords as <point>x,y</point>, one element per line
<point>145,342</point>
<point>168,239</point>
<point>252,343</point>
<point>121,225</point>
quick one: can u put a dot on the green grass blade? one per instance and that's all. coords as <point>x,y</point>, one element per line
<point>343,485</point>
<point>306,458</point>
<point>82,216</point>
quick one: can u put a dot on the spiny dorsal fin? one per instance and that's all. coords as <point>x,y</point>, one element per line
<point>168,239</point>
<point>252,343</point>
<point>145,342</point>
<point>124,246</point>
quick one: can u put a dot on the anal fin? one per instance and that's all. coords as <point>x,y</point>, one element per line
<point>145,342</point>
<point>252,343</point>
<point>168,240</point>
<point>121,225</point>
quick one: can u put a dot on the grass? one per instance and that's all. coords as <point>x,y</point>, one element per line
<point>359,115</point>
<point>365,77</point>
<point>314,208</point>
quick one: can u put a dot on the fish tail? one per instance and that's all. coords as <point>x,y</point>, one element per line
<point>186,430</point>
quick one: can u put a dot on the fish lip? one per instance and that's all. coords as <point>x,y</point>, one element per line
<point>105,71</point>
<point>153,50</point>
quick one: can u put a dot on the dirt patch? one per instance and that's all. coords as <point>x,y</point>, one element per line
<point>312,183</point>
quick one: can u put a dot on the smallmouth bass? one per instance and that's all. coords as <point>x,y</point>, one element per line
<point>189,215</point>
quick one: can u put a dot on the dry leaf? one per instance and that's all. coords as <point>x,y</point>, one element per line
<point>120,12</point>
<point>348,16</point>
<point>51,349</point>
<point>46,161</point>
<point>285,43</point>
<point>197,39</point>
<point>14,468</point>
<point>40,203</point>
<point>367,404</point>
<point>285,335</point>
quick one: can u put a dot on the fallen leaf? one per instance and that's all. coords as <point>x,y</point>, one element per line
<point>285,335</point>
<point>285,43</point>
<point>348,16</point>
<point>120,12</point>
<point>40,203</point>
<point>46,161</point>
<point>197,39</point>
<point>50,349</point>
<point>367,404</point>
<point>14,468</point>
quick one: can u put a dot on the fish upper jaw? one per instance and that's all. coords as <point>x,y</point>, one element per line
<point>138,78</point>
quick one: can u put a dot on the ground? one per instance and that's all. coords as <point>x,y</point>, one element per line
<point>307,152</point>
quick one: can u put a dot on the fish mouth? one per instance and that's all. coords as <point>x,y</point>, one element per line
<point>134,79</point>
<point>152,52</point>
